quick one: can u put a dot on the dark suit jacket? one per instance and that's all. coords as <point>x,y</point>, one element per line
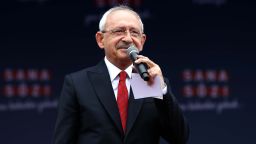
<point>88,113</point>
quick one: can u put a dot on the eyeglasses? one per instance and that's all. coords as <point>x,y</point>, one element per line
<point>123,32</point>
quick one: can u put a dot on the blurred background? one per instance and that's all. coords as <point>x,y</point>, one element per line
<point>205,47</point>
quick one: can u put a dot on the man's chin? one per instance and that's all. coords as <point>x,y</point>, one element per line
<point>125,58</point>
<point>123,53</point>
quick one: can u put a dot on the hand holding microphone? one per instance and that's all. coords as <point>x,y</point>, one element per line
<point>145,67</point>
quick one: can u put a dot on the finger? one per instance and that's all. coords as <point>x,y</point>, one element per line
<point>143,59</point>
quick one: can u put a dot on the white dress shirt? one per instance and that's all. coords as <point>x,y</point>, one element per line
<point>114,76</point>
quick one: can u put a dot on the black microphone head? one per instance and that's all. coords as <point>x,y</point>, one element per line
<point>132,49</point>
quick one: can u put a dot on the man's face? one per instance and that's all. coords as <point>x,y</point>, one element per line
<point>122,29</point>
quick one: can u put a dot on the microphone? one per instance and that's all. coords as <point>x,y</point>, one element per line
<point>141,67</point>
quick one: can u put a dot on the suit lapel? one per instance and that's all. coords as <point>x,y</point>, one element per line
<point>100,80</point>
<point>133,111</point>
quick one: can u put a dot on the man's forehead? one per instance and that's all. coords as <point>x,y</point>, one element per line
<point>114,15</point>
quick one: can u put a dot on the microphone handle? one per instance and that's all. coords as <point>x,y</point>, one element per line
<point>141,67</point>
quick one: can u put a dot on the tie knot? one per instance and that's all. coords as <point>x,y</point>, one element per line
<point>122,75</point>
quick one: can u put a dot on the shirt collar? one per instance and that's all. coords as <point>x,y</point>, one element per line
<point>114,71</point>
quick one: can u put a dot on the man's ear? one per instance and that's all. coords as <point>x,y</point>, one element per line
<point>143,39</point>
<point>99,39</point>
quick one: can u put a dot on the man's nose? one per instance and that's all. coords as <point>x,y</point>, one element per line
<point>127,37</point>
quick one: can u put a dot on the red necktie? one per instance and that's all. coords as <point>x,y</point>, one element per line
<point>122,98</point>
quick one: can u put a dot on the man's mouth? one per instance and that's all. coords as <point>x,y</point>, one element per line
<point>123,46</point>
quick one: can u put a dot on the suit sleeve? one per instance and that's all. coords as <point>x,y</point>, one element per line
<point>67,123</point>
<point>174,127</point>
